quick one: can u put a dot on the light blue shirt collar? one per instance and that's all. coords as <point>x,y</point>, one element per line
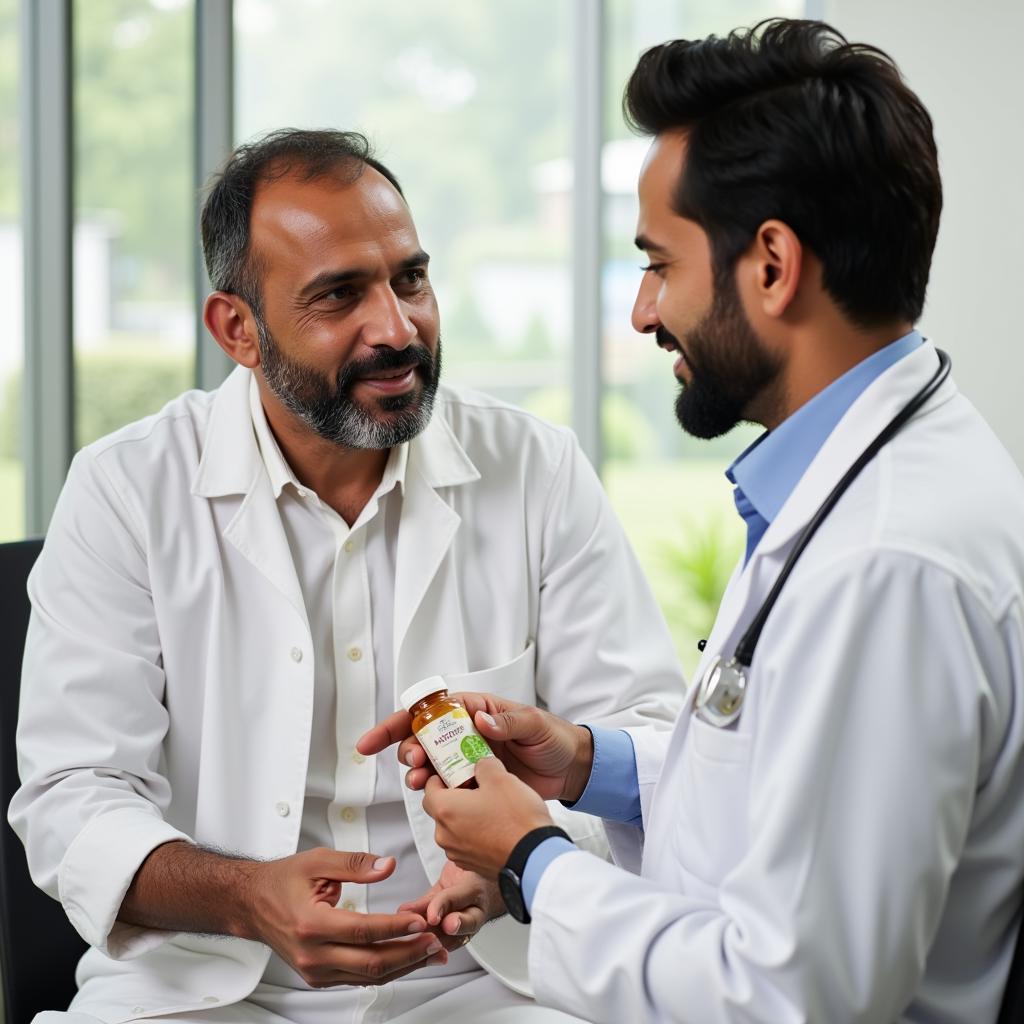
<point>768,470</point>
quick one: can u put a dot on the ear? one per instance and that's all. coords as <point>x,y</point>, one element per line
<point>229,319</point>
<point>774,263</point>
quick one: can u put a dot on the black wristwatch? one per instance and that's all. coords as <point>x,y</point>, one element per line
<point>510,877</point>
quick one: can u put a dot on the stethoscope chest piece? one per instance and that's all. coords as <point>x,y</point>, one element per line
<point>719,698</point>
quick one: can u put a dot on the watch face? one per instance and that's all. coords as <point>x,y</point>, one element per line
<point>512,893</point>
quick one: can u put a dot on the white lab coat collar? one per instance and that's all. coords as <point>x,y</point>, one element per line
<point>232,465</point>
<point>281,473</point>
<point>231,461</point>
<point>864,420</point>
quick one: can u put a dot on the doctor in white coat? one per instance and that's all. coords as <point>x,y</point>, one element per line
<point>842,839</point>
<point>234,589</point>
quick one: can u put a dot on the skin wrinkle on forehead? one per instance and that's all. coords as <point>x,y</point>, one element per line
<point>295,228</point>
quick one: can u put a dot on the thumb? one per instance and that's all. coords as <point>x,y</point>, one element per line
<point>351,866</point>
<point>509,725</point>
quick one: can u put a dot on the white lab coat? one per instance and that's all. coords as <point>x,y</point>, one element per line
<point>853,850</point>
<point>168,680</point>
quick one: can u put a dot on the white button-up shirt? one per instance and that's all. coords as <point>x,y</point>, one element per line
<point>347,577</point>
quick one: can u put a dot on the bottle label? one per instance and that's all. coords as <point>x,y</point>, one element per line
<point>453,746</point>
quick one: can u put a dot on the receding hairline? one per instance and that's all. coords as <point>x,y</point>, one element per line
<point>335,182</point>
<point>345,170</point>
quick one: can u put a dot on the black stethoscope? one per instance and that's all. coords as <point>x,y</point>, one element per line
<point>719,698</point>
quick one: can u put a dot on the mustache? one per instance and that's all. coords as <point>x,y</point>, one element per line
<point>663,337</point>
<point>415,356</point>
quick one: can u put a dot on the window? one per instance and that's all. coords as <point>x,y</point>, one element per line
<point>479,137</point>
<point>12,474</point>
<point>668,488</point>
<point>134,232</point>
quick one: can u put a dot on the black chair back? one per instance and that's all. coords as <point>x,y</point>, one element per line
<point>1012,1011</point>
<point>39,949</point>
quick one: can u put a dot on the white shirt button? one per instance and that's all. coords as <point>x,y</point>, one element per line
<point>138,1009</point>
<point>349,546</point>
<point>348,905</point>
<point>296,654</point>
<point>282,809</point>
<point>348,814</point>
<point>210,999</point>
<point>354,654</point>
<point>358,758</point>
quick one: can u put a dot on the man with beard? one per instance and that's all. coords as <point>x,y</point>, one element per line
<point>234,589</point>
<point>835,830</point>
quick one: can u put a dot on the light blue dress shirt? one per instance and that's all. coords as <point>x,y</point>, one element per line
<point>764,476</point>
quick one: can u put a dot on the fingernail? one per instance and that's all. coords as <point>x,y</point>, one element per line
<point>490,721</point>
<point>381,863</point>
<point>416,926</point>
<point>434,947</point>
<point>410,760</point>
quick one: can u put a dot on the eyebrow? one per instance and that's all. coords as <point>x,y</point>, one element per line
<point>334,278</point>
<point>643,243</point>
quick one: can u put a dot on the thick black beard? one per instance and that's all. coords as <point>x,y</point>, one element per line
<point>327,407</point>
<point>729,367</point>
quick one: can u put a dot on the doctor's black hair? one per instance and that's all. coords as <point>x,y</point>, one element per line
<point>307,153</point>
<point>788,120</point>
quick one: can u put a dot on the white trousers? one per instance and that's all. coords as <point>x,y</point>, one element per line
<point>482,999</point>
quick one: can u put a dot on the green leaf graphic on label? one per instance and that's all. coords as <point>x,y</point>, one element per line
<point>473,748</point>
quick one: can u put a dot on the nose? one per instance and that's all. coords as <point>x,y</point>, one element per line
<point>645,306</point>
<point>387,321</point>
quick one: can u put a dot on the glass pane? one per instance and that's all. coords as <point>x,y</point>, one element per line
<point>479,138</point>
<point>134,327</point>
<point>668,488</point>
<point>12,353</point>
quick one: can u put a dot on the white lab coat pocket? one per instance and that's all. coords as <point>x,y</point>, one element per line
<point>714,783</point>
<point>514,679</point>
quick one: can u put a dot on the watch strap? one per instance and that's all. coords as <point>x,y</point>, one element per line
<point>520,854</point>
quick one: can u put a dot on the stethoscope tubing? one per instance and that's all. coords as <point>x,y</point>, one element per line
<point>744,653</point>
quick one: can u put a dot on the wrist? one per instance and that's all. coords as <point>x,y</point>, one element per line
<point>244,921</point>
<point>578,775</point>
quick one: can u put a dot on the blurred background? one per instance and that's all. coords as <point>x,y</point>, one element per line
<point>502,121</point>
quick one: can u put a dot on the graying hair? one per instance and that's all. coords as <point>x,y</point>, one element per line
<point>224,223</point>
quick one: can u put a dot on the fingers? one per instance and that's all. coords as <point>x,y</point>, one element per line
<point>416,778</point>
<point>374,965</point>
<point>520,722</point>
<point>488,770</point>
<point>394,728</point>
<point>334,925</point>
<point>455,911</point>
<point>433,790</point>
<point>465,922</point>
<point>418,906</point>
<point>346,865</point>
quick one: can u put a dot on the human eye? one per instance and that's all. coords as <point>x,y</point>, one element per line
<point>413,279</point>
<point>340,293</point>
<point>414,276</point>
<point>653,268</point>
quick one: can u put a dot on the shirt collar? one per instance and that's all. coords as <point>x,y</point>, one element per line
<point>768,470</point>
<point>281,474</point>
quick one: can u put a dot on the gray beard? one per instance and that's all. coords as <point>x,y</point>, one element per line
<point>331,413</point>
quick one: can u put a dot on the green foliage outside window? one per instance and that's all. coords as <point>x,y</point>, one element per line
<point>116,387</point>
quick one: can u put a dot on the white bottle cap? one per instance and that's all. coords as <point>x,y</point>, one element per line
<point>424,688</point>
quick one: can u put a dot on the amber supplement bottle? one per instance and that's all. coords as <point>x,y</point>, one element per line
<point>445,730</point>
